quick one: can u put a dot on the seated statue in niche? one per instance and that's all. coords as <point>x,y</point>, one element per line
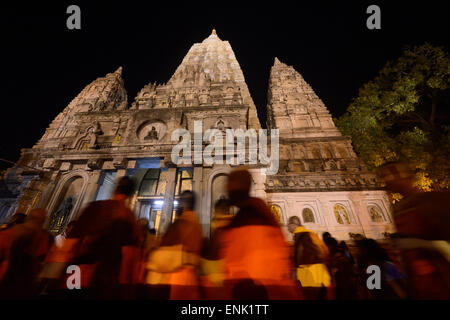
<point>221,125</point>
<point>341,215</point>
<point>152,135</point>
<point>98,128</point>
<point>333,166</point>
<point>375,215</point>
<point>59,217</point>
<point>290,167</point>
<point>317,166</point>
<point>93,134</point>
<point>93,140</point>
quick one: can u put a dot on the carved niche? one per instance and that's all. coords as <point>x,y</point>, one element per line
<point>152,131</point>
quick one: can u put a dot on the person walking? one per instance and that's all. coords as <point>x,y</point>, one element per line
<point>256,258</point>
<point>173,266</point>
<point>310,258</point>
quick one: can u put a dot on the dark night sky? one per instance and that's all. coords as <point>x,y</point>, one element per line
<point>45,65</point>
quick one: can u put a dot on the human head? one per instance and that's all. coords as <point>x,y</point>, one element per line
<point>293,223</point>
<point>238,185</point>
<point>343,245</point>
<point>125,186</point>
<point>187,200</point>
<point>36,217</point>
<point>332,244</point>
<point>326,235</point>
<point>399,177</point>
<point>18,218</point>
<point>372,251</point>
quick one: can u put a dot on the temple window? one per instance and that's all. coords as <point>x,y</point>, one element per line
<point>154,183</point>
<point>184,180</point>
<point>308,216</point>
<point>277,213</point>
<point>341,214</point>
<point>376,214</point>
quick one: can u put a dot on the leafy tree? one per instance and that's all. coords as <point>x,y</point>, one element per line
<point>403,114</point>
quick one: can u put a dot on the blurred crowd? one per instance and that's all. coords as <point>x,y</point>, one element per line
<point>108,254</point>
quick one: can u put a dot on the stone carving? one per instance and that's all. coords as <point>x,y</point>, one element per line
<point>120,163</point>
<point>308,215</point>
<point>341,214</point>
<point>93,135</point>
<point>152,135</point>
<point>94,164</point>
<point>220,125</point>
<point>65,166</point>
<point>276,212</point>
<point>299,152</point>
<point>50,163</point>
<point>152,132</point>
<point>285,152</point>
<point>106,93</point>
<point>59,217</point>
<point>375,214</point>
<point>332,166</point>
<point>290,95</point>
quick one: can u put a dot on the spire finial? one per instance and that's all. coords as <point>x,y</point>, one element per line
<point>214,32</point>
<point>119,70</point>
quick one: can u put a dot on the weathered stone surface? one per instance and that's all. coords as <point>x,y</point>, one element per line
<point>293,106</point>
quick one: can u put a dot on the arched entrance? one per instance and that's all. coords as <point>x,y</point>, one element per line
<point>218,189</point>
<point>68,198</point>
<point>152,190</point>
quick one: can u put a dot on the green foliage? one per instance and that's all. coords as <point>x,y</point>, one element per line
<point>403,114</point>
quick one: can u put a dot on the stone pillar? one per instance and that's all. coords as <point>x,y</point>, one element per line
<point>324,215</point>
<point>167,210</point>
<point>361,219</point>
<point>258,188</point>
<point>203,215</point>
<point>48,191</point>
<point>90,191</point>
<point>120,173</point>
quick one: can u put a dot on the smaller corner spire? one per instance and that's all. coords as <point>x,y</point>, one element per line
<point>276,61</point>
<point>119,70</point>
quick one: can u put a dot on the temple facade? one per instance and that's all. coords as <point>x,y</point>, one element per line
<point>99,138</point>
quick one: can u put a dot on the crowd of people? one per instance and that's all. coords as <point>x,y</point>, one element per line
<point>116,256</point>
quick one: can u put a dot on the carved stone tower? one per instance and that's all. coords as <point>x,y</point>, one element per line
<point>320,179</point>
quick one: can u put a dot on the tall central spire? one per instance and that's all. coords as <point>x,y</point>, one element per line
<point>212,63</point>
